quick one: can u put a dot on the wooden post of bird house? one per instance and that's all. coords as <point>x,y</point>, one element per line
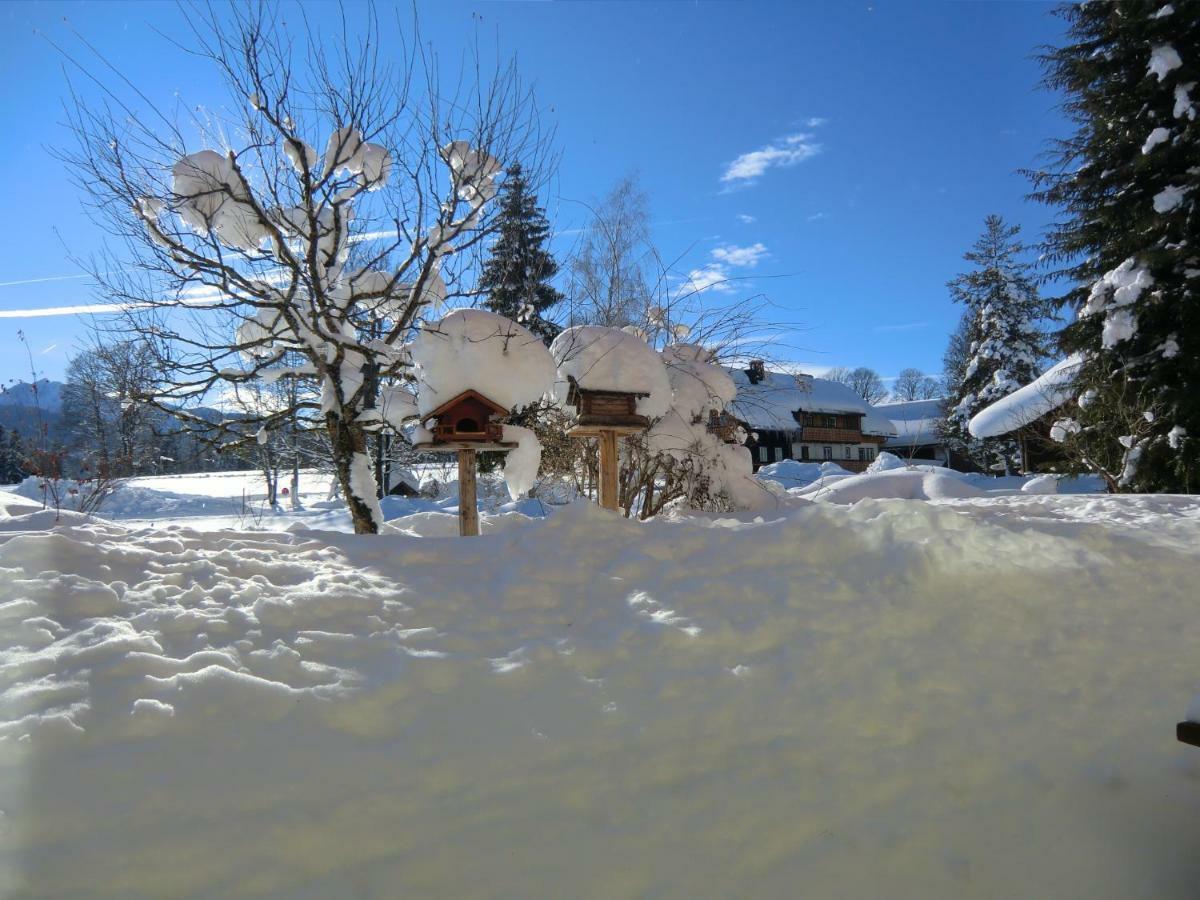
<point>468,509</point>
<point>605,415</point>
<point>465,425</point>
<point>608,469</point>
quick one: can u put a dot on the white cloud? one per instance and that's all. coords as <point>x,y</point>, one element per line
<point>718,274</point>
<point>906,326</point>
<point>740,256</point>
<point>712,277</point>
<point>793,149</point>
<point>817,216</point>
<point>816,122</point>
<point>745,219</point>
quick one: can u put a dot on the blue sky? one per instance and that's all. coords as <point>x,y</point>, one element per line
<point>840,157</point>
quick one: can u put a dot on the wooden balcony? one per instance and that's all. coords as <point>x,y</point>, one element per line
<point>812,434</point>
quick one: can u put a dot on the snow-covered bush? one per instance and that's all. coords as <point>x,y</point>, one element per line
<point>680,458</point>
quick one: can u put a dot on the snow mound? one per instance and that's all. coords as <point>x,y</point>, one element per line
<point>18,505</point>
<point>917,483</point>
<point>609,359</point>
<point>791,473</point>
<point>473,349</point>
<point>818,699</point>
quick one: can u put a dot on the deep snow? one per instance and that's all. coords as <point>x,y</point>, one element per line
<point>972,697</point>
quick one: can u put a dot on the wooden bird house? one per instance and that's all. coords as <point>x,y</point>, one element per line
<point>466,424</point>
<point>468,419</point>
<point>599,411</point>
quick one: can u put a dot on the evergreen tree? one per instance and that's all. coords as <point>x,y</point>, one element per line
<point>517,275</point>
<point>13,457</point>
<point>1007,346</point>
<point>1127,180</point>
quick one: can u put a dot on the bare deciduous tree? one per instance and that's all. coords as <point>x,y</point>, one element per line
<point>610,280</point>
<point>863,381</point>
<point>104,404</point>
<point>913,384</point>
<point>234,259</point>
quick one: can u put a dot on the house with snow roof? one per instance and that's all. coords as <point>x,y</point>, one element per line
<point>918,431</point>
<point>806,418</point>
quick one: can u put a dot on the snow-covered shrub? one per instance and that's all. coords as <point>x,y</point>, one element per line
<point>681,457</point>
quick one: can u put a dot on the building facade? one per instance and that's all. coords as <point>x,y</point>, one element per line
<point>805,418</point>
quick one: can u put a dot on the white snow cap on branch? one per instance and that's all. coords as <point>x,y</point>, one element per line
<point>473,172</point>
<point>610,359</point>
<point>348,152</point>
<point>211,196</point>
<point>1163,59</point>
<point>473,349</point>
<point>1047,393</point>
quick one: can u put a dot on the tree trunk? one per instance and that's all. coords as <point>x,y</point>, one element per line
<point>349,445</point>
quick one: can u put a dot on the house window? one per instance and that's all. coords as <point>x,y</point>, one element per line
<point>827,452</point>
<point>866,453</point>
<point>763,454</point>
<point>848,451</point>
<point>778,454</point>
<point>804,451</point>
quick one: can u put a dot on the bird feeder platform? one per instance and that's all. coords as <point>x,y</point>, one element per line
<point>451,446</point>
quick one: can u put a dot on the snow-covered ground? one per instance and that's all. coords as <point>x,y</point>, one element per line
<point>973,696</point>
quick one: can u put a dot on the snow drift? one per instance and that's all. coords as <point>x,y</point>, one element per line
<point>972,699</point>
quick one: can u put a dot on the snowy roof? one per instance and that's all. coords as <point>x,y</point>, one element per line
<point>770,403</point>
<point>915,422</point>
<point>1046,393</point>
<point>876,423</point>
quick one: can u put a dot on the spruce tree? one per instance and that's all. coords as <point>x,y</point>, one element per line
<point>518,273</point>
<point>1002,313</point>
<point>1128,181</point>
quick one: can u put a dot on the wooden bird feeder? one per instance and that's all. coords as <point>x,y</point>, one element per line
<point>605,415</point>
<point>465,425</point>
<point>599,411</point>
<point>1189,733</point>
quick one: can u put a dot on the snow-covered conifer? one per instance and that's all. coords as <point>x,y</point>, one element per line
<point>517,276</point>
<point>1006,346</point>
<point>1128,181</point>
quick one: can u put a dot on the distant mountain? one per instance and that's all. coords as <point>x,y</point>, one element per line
<point>49,395</point>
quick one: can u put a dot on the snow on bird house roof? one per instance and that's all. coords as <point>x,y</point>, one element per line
<point>1048,392</point>
<point>473,349</point>
<point>610,359</point>
<point>770,403</point>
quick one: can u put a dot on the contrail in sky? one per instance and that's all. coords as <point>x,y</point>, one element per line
<point>42,280</point>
